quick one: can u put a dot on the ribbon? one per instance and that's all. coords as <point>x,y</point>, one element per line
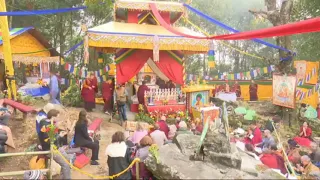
<point>41,12</point>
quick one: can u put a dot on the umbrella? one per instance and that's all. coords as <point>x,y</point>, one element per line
<point>240,110</point>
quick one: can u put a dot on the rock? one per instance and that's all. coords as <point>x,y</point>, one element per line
<point>187,143</point>
<point>174,165</point>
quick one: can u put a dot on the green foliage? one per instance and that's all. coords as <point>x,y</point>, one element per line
<point>154,151</point>
<point>72,96</point>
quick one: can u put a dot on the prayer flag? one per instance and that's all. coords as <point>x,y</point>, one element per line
<point>258,71</point>
<point>273,68</point>
<point>265,70</point>
<point>76,71</point>
<point>298,92</point>
<point>107,68</point>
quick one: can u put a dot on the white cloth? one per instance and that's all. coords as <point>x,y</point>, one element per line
<point>227,96</point>
<point>156,70</point>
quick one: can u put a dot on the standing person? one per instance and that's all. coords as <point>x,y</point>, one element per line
<point>54,88</point>
<point>237,89</point>
<point>94,82</point>
<point>88,95</point>
<point>82,138</point>
<point>119,156</point>
<point>141,91</point>
<point>107,91</point>
<point>121,97</point>
<point>253,91</point>
<point>45,143</point>
<point>170,85</point>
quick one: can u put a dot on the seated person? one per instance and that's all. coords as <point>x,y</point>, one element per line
<point>315,154</point>
<point>254,135</point>
<point>305,131</point>
<point>138,134</point>
<point>293,152</point>
<point>172,132</point>
<point>183,129</point>
<point>266,141</point>
<point>82,138</point>
<point>45,143</point>
<point>142,154</point>
<point>304,138</point>
<point>5,114</point>
<point>272,160</point>
<point>306,167</point>
<point>42,114</point>
<point>158,137</point>
<point>163,125</point>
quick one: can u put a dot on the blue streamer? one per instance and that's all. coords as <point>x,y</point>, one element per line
<point>72,48</point>
<point>41,12</point>
<point>230,28</point>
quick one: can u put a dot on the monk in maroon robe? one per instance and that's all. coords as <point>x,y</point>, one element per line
<point>107,91</point>
<point>237,89</point>
<point>170,85</point>
<point>140,94</point>
<point>88,95</point>
<point>253,91</point>
<point>94,82</point>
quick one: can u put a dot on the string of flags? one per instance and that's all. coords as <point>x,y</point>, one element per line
<point>237,76</point>
<point>300,95</point>
<point>308,77</point>
<point>83,73</point>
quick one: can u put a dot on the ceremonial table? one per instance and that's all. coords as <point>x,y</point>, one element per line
<point>167,108</point>
<point>227,96</point>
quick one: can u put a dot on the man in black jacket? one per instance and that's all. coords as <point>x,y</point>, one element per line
<point>45,143</point>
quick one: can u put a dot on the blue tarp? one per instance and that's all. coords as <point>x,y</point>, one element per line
<point>37,91</point>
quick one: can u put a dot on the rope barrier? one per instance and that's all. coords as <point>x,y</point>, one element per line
<point>56,151</point>
<point>225,44</point>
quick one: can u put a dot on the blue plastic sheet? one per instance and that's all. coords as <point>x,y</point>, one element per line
<point>37,91</point>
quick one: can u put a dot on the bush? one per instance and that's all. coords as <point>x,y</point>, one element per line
<point>72,96</point>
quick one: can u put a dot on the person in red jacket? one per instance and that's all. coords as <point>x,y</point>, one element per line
<point>163,125</point>
<point>273,160</point>
<point>94,82</point>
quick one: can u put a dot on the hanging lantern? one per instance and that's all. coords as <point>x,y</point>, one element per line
<point>211,53</point>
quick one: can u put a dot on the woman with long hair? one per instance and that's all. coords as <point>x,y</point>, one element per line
<point>82,138</point>
<point>119,156</point>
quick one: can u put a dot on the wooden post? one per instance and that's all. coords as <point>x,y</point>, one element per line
<point>51,155</point>
<point>137,170</point>
<point>11,84</point>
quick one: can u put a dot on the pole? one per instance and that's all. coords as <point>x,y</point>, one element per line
<point>11,83</point>
<point>51,155</point>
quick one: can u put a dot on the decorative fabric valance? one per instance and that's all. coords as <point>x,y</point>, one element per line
<point>33,59</point>
<point>144,5</point>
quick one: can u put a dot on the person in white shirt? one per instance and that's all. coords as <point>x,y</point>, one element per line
<point>158,136</point>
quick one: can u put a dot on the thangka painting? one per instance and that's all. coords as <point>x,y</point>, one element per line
<point>301,67</point>
<point>150,78</point>
<point>199,98</point>
<point>283,90</point>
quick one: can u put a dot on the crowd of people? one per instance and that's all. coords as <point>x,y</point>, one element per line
<point>260,142</point>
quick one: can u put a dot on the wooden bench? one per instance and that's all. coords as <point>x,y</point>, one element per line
<point>19,106</point>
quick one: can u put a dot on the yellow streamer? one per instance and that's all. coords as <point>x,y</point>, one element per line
<point>91,175</point>
<point>205,33</point>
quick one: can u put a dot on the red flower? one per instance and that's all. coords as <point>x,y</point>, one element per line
<point>47,129</point>
<point>56,130</point>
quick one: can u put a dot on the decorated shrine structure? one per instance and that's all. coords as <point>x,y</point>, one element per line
<point>137,39</point>
<point>32,49</point>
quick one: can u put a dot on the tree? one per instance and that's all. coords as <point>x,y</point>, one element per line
<point>279,17</point>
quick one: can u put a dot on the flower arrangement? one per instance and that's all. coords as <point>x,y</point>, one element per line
<point>154,151</point>
<point>165,102</point>
<point>51,130</point>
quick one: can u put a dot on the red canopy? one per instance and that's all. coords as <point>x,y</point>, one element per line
<point>307,26</point>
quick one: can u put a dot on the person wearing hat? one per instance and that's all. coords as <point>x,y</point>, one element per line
<point>33,175</point>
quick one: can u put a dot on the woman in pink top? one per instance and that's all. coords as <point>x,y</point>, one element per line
<point>138,134</point>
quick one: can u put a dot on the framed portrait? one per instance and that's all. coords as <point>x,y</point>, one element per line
<point>283,90</point>
<point>150,78</point>
<point>199,98</point>
<point>301,67</point>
